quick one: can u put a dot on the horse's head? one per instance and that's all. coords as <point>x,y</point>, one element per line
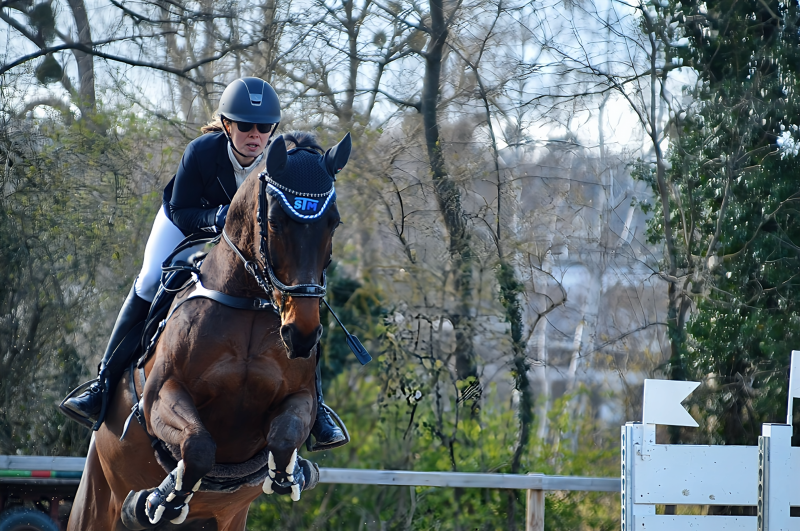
<point>300,218</point>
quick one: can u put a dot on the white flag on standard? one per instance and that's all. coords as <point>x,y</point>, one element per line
<point>662,402</point>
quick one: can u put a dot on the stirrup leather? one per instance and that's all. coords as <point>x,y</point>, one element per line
<point>314,447</point>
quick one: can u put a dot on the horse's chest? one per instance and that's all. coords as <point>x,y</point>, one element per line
<point>230,380</point>
<point>235,362</point>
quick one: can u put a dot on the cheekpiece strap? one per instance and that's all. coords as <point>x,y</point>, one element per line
<point>249,265</point>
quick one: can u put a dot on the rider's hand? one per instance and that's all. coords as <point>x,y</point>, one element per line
<point>222,214</point>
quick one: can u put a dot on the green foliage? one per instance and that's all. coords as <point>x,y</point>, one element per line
<point>387,437</point>
<point>733,201</point>
<point>68,214</point>
<point>359,309</point>
<point>510,291</point>
<point>743,334</point>
<point>404,413</point>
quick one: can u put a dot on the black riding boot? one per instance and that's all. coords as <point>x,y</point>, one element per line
<point>86,408</point>
<point>326,432</point>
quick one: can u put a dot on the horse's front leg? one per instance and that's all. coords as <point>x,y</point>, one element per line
<point>173,418</point>
<point>288,430</point>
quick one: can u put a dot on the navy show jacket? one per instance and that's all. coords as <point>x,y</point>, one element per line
<point>204,181</point>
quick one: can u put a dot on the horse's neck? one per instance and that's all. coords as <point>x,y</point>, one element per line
<point>224,271</point>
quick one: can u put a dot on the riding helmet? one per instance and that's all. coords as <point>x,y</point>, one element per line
<point>252,100</point>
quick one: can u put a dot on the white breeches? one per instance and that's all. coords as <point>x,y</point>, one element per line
<point>164,237</point>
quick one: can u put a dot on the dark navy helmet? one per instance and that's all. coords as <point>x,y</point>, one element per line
<point>252,100</point>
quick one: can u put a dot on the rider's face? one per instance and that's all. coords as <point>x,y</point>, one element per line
<point>251,143</point>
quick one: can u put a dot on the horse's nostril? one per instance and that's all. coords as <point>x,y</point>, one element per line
<point>298,344</point>
<point>286,334</point>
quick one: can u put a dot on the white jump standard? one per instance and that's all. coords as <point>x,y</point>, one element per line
<point>654,474</point>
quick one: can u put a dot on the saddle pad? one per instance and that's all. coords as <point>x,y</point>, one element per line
<point>223,477</point>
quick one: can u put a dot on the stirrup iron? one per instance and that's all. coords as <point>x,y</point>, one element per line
<point>83,421</point>
<point>313,447</point>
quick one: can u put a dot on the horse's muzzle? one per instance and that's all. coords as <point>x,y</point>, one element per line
<point>299,345</point>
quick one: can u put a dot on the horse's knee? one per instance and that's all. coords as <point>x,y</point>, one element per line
<point>198,451</point>
<point>286,433</point>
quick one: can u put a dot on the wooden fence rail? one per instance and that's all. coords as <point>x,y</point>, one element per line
<point>535,484</point>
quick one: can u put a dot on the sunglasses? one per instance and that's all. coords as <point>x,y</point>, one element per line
<point>246,127</point>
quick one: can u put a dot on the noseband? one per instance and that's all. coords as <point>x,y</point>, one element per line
<point>270,283</point>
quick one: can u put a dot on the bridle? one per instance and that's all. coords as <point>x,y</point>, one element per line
<point>266,278</point>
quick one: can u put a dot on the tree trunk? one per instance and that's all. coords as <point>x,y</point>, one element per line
<point>448,197</point>
<point>86,101</point>
<point>352,25</point>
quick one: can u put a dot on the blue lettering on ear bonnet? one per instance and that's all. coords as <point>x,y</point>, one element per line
<point>303,180</point>
<point>304,189</point>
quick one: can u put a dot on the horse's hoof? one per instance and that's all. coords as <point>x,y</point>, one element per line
<point>300,474</point>
<point>169,501</point>
<point>184,513</point>
<point>310,472</point>
<point>133,514</point>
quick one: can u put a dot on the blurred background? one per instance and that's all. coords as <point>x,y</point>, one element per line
<point>547,203</point>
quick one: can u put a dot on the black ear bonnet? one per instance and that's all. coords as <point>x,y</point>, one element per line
<point>302,179</point>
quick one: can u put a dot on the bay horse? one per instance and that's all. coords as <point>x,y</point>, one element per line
<point>227,396</point>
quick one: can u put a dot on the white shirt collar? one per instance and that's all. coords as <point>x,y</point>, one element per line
<point>241,172</point>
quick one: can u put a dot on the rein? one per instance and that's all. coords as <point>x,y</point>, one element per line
<point>251,267</point>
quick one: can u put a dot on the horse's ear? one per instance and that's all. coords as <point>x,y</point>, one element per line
<point>337,156</point>
<point>276,157</point>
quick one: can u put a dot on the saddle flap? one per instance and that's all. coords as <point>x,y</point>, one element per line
<point>132,341</point>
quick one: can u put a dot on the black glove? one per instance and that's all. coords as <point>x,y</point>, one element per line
<point>222,214</point>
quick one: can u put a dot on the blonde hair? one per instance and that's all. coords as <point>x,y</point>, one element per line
<point>214,126</point>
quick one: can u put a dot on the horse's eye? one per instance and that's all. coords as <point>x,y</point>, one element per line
<point>274,224</point>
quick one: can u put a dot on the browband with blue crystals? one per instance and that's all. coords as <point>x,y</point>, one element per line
<point>300,206</point>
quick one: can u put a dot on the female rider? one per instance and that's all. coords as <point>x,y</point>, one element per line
<point>196,199</point>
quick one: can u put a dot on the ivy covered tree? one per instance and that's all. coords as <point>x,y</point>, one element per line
<point>734,177</point>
